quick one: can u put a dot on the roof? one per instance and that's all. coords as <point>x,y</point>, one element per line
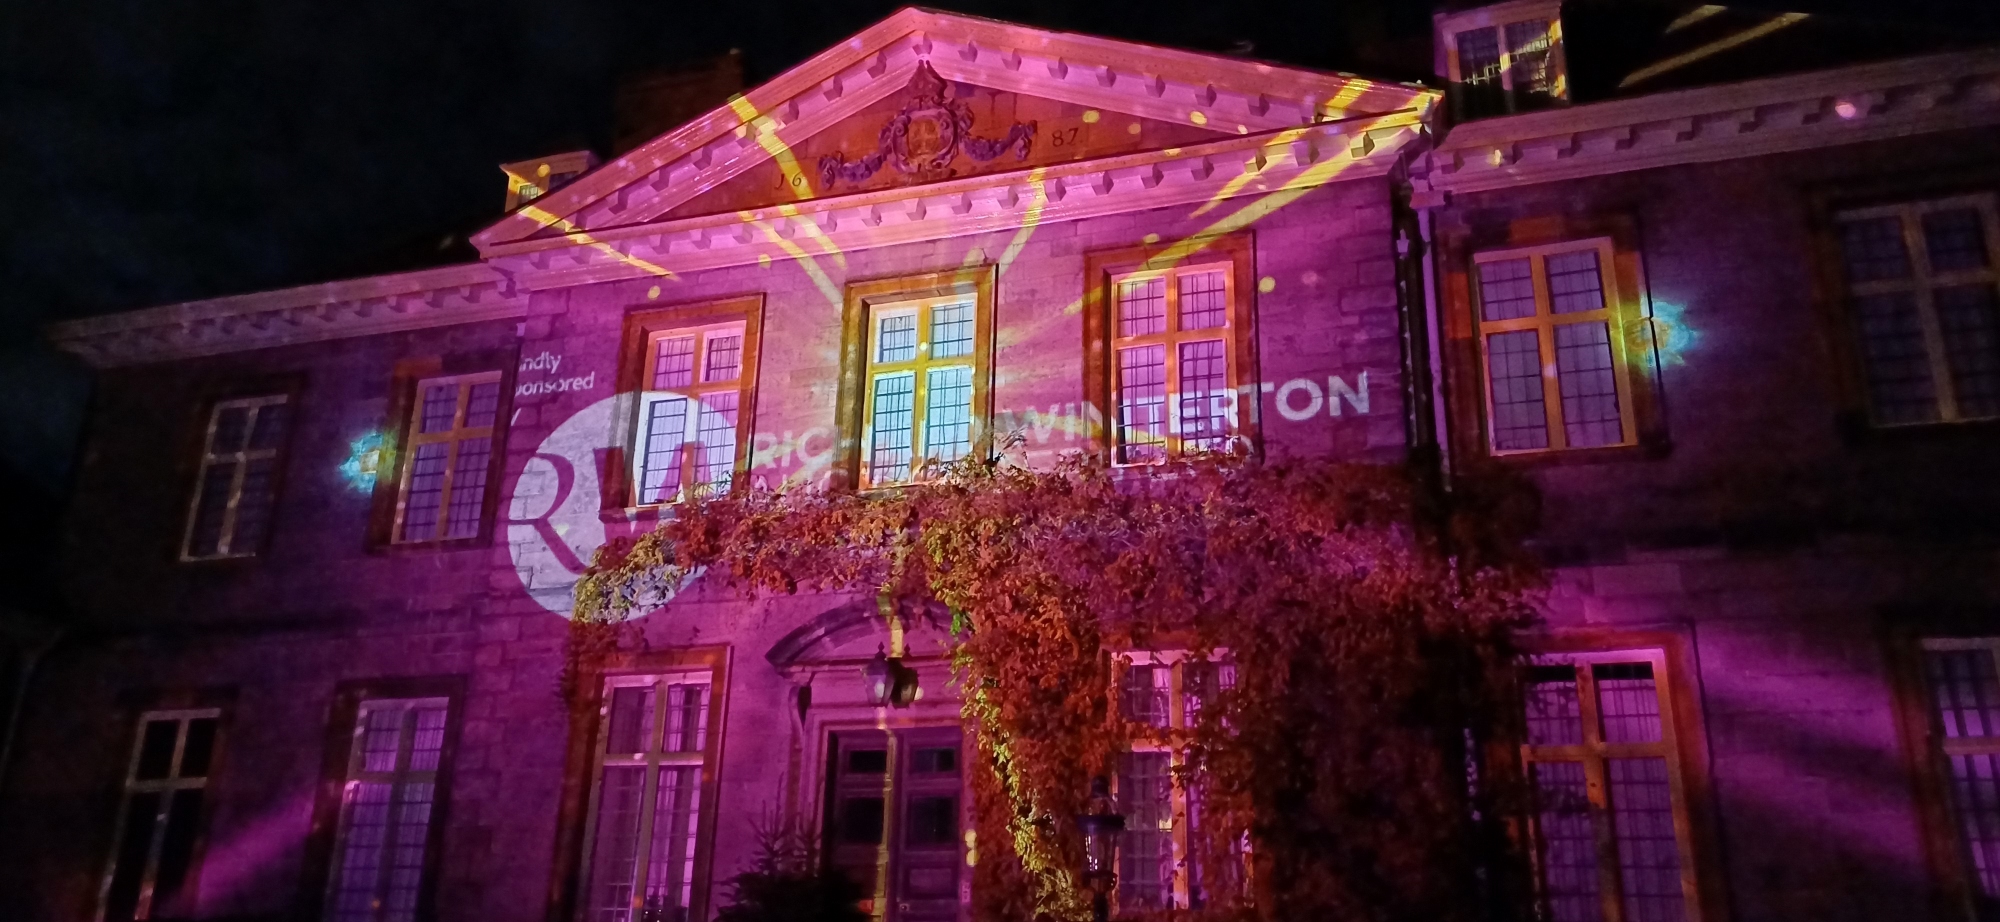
<point>1863,102</point>
<point>1269,129</point>
<point>1624,48</point>
<point>1120,76</point>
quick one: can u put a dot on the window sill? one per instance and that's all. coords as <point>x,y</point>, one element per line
<point>1857,430</point>
<point>1146,470</point>
<point>219,559</point>
<point>891,489</point>
<point>1564,457</point>
<point>225,561</point>
<point>925,479</point>
<point>443,545</point>
<point>652,513</point>
<point>649,512</point>
<point>1166,466</point>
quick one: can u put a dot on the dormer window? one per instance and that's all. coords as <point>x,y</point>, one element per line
<point>1502,58</point>
<point>528,180</point>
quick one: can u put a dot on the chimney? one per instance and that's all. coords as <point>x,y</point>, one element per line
<point>651,105</point>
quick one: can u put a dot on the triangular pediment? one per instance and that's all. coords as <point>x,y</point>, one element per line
<point>935,130</point>
<point>1012,97</point>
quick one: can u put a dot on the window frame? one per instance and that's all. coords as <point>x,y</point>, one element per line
<point>1496,18</point>
<point>1104,270</point>
<point>854,413</point>
<point>413,437</point>
<point>689,483</point>
<point>920,365</point>
<point>1922,284</point>
<point>1558,85</point>
<point>1173,445</point>
<point>1180,890</point>
<point>644,328</point>
<point>207,456</point>
<point>1594,753</point>
<point>1950,864</point>
<point>396,777</point>
<point>130,785</point>
<point>590,722</point>
<point>322,839</point>
<point>1624,315</point>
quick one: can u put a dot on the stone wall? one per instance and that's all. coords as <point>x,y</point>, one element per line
<point>1772,527</point>
<point>327,603</point>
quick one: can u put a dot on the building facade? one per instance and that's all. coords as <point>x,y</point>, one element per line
<point>1743,336</point>
<point>1718,326</point>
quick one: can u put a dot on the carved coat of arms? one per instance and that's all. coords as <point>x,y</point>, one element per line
<point>925,136</point>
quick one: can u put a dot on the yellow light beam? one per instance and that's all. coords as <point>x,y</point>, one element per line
<point>1307,180</point>
<point>1694,16</point>
<point>1228,190</point>
<point>798,254</point>
<point>1257,209</point>
<point>1032,219</point>
<point>578,234</point>
<point>813,233</point>
<point>892,814</point>
<point>1271,149</point>
<point>1712,48</point>
<point>766,133</point>
<point>767,138</point>
<point>796,181</point>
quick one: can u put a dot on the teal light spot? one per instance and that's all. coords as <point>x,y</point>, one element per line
<point>365,457</point>
<point>1671,334</point>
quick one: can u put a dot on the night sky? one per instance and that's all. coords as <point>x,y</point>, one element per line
<point>163,150</point>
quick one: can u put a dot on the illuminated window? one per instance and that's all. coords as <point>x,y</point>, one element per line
<point>656,744</point>
<point>386,809</point>
<point>923,385</point>
<point>1176,368</point>
<point>1964,700</point>
<point>914,388</point>
<point>1479,58</point>
<point>152,859</point>
<point>1923,284</point>
<point>1553,329</point>
<point>528,180</point>
<point>1610,817</point>
<point>1157,867</point>
<point>693,371</point>
<point>238,481</point>
<point>689,413</point>
<point>447,458</point>
<point>1508,67</point>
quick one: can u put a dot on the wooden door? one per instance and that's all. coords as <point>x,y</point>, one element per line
<point>895,820</point>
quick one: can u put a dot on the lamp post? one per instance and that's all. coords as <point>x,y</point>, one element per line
<point>1102,825</point>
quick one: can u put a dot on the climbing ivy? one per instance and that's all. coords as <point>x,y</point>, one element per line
<point>1371,624</point>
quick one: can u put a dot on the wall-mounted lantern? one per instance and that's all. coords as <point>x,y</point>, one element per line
<point>888,682</point>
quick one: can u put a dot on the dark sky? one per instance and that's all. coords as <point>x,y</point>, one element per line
<point>161,150</point>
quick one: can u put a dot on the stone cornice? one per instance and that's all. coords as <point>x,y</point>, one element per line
<point>1240,167</point>
<point>1825,108</point>
<point>309,313</point>
<point>1230,94</point>
<point>1230,169</point>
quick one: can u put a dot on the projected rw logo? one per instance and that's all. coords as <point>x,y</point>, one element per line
<point>561,510</point>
